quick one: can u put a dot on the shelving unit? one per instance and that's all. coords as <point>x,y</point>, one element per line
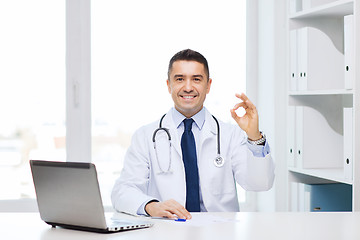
<point>323,117</point>
<point>330,9</point>
<point>319,176</point>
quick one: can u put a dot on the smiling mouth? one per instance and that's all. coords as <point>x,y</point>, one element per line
<point>187,97</point>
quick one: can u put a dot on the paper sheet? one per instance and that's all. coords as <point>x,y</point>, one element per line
<point>205,220</point>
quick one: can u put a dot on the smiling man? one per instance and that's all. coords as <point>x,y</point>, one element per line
<point>188,85</point>
<point>189,161</point>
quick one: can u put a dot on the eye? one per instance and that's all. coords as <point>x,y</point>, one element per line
<point>179,79</point>
<point>197,79</point>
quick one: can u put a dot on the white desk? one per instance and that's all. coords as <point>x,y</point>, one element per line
<point>262,226</point>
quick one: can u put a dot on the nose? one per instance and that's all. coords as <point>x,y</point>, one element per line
<point>187,85</point>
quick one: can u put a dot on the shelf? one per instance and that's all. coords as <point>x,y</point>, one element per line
<point>321,92</point>
<point>322,100</point>
<point>333,174</point>
<point>322,115</point>
<point>335,9</point>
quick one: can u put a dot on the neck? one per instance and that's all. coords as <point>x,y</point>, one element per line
<point>188,114</point>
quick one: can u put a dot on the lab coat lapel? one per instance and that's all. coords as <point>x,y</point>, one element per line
<point>208,131</point>
<point>168,123</point>
<point>206,154</point>
<point>177,181</point>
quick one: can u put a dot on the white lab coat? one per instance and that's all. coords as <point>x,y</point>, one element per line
<point>140,180</point>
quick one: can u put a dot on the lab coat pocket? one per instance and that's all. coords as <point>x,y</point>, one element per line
<point>220,179</point>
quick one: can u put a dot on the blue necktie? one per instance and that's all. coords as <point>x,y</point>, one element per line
<point>191,169</point>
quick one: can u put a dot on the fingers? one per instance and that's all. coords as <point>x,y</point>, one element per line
<point>169,209</point>
<point>249,121</point>
<point>246,103</point>
<point>234,115</point>
<point>176,208</point>
<point>242,96</point>
<point>242,104</point>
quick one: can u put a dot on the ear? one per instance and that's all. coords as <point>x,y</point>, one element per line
<point>168,85</point>
<point>209,85</point>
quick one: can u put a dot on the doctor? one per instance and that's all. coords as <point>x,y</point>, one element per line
<point>170,171</point>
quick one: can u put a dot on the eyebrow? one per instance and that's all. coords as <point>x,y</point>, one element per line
<point>196,75</point>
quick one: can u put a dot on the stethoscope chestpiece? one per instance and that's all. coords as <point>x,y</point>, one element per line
<point>219,161</point>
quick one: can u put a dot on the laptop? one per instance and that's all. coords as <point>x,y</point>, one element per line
<point>68,196</point>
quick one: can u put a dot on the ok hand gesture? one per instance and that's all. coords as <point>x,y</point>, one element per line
<point>250,121</point>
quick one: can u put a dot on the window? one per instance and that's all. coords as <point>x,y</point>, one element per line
<point>132,43</point>
<point>32,90</point>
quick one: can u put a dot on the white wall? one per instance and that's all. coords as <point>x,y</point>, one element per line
<point>281,71</point>
<point>267,88</point>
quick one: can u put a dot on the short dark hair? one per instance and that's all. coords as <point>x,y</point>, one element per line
<point>189,55</point>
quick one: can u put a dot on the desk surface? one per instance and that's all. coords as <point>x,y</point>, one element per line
<point>222,226</point>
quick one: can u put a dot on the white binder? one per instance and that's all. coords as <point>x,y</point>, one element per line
<point>319,61</point>
<point>304,197</point>
<point>348,143</point>
<point>299,132</point>
<point>306,4</point>
<point>302,55</point>
<point>291,136</point>
<point>349,51</point>
<point>295,6</point>
<point>293,61</point>
<point>294,197</point>
<point>317,143</point>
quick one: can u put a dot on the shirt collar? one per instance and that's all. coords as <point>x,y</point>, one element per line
<point>198,118</point>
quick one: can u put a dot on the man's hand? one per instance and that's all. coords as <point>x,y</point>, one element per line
<point>167,209</point>
<point>250,121</point>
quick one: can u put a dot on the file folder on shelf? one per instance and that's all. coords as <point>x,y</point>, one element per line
<point>319,61</point>
<point>291,136</point>
<point>330,197</point>
<point>348,143</point>
<point>295,6</point>
<point>349,51</point>
<point>293,61</point>
<point>317,144</point>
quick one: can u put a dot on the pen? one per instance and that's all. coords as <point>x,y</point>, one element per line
<point>174,219</point>
<point>180,220</point>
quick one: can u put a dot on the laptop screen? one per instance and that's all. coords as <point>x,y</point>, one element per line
<point>68,193</point>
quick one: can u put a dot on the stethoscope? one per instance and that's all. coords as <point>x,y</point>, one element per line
<point>218,161</point>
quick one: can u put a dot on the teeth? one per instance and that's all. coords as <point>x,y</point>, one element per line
<point>188,97</point>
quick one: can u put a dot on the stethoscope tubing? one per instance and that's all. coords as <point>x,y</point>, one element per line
<point>160,128</point>
<point>169,136</point>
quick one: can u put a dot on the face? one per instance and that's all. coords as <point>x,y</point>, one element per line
<point>188,86</point>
